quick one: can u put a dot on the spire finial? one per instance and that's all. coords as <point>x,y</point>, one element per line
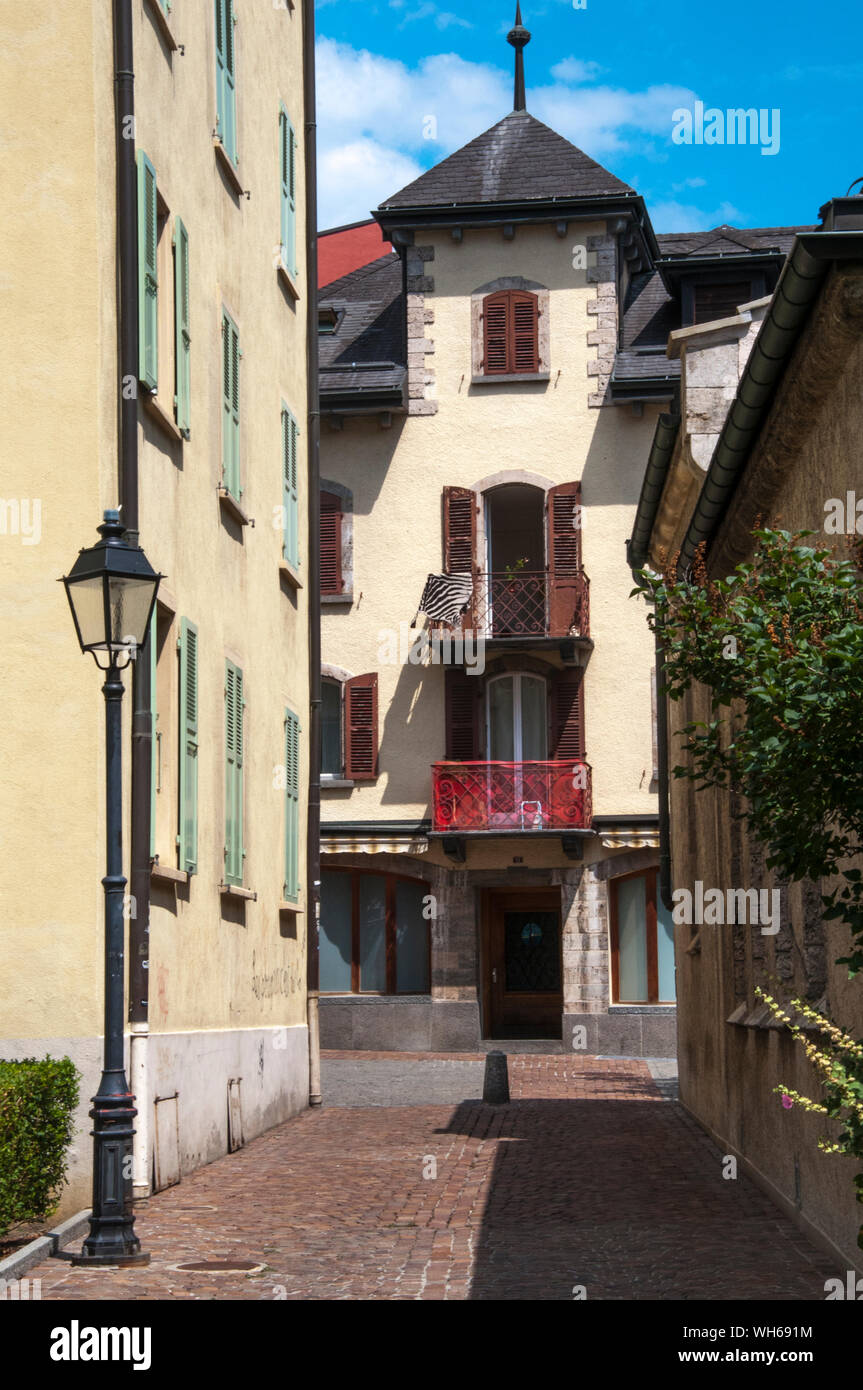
<point>519,37</point>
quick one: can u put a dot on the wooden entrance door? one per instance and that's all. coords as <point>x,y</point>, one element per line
<point>523,975</point>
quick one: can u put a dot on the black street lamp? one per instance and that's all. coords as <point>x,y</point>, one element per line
<point>112,593</point>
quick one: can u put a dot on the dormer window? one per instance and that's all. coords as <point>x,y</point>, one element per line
<point>327,320</point>
<point>719,301</point>
<point>510,332</point>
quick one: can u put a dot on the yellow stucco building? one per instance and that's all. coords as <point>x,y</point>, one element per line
<point>489,812</point>
<point>218,1046</point>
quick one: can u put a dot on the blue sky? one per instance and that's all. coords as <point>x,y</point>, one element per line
<point>403,83</point>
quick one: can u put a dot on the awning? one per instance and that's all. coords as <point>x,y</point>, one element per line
<point>629,837</point>
<point>340,843</point>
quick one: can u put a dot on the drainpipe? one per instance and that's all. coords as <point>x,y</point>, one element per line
<point>313,855</point>
<point>127,336</point>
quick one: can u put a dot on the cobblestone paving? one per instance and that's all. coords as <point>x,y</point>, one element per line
<point>587,1178</point>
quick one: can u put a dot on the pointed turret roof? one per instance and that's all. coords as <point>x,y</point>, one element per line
<point>517,160</point>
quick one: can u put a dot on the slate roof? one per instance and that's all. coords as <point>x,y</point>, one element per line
<point>517,160</point>
<point>366,352</point>
<point>727,240</point>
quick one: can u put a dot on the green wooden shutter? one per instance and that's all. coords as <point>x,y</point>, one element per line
<point>290,489</point>
<point>288,160</point>
<point>187,840</point>
<point>231,406</point>
<point>182,338</point>
<point>226,95</point>
<point>292,806</point>
<point>148,279</point>
<point>154,745</point>
<point>233,774</point>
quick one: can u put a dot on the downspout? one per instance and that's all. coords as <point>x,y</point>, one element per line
<point>637,550</point>
<point>313,843</point>
<point>127,316</point>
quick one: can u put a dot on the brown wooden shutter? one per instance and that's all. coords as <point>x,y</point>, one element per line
<point>563,528</point>
<point>495,318</point>
<point>462,696</point>
<point>459,530</point>
<point>720,301</point>
<point>525,332</point>
<point>361,728</point>
<point>331,544</point>
<point>510,332</point>
<point>567,715</point>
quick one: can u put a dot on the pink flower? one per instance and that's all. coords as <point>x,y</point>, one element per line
<point>787,1102</point>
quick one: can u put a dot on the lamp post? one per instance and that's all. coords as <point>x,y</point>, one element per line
<point>112,592</point>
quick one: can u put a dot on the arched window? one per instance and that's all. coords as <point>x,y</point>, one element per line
<point>510,332</point>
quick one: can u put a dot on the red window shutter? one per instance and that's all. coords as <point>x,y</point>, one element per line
<point>525,332</point>
<point>459,530</point>
<point>461,696</point>
<point>361,728</point>
<point>563,525</point>
<point>510,332</point>
<point>567,715</point>
<point>331,544</point>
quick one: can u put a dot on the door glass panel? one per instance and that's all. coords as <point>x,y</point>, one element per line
<point>665,950</point>
<point>500,720</point>
<point>632,939</point>
<point>335,934</point>
<point>373,933</point>
<point>533,719</point>
<point>532,947</point>
<point>412,939</point>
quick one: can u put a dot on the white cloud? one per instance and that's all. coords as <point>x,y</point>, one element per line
<point>355,177</point>
<point>574,70</point>
<point>374,124</point>
<point>671,216</point>
<point>688,183</point>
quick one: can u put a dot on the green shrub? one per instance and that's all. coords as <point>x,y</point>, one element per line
<point>37,1101</point>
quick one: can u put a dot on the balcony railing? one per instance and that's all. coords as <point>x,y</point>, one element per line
<point>529,603</point>
<point>511,796</point>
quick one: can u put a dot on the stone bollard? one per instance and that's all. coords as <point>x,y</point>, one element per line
<point>495,1086</point>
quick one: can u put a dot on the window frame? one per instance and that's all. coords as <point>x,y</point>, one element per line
<point>328,778</point>
<point>391,929</point>
<point>479,297</point>
<point>651,923</point>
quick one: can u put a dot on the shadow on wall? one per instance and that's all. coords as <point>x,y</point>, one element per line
<point>418,702</point>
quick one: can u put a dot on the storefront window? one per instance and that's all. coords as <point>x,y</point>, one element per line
<point>374,936</point>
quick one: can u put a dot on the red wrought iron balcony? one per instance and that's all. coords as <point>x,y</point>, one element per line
<point>511,796</point>
<point>529,604</point>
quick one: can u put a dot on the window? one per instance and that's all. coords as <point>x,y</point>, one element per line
<point>332,580</point>
<point>349,728</point>
<point>148,275</point>
<point>187,839</point>
<point>374,933</point>
<point>331,729</point>
<point>182,337</point>
<point>231,406</point>
<point>288,165</point>
<point>642,941</point>
<point>328,320</point>
<point>290,489</point>
<point>164,341</point>
<point>510,333</point>
<point>234,704</point>
<point>226,94</point>
<point>719,301</point>
<point>292,806</point>
<point>174,772</point>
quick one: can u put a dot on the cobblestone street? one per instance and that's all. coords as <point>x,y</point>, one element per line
<point>405,1186</point>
